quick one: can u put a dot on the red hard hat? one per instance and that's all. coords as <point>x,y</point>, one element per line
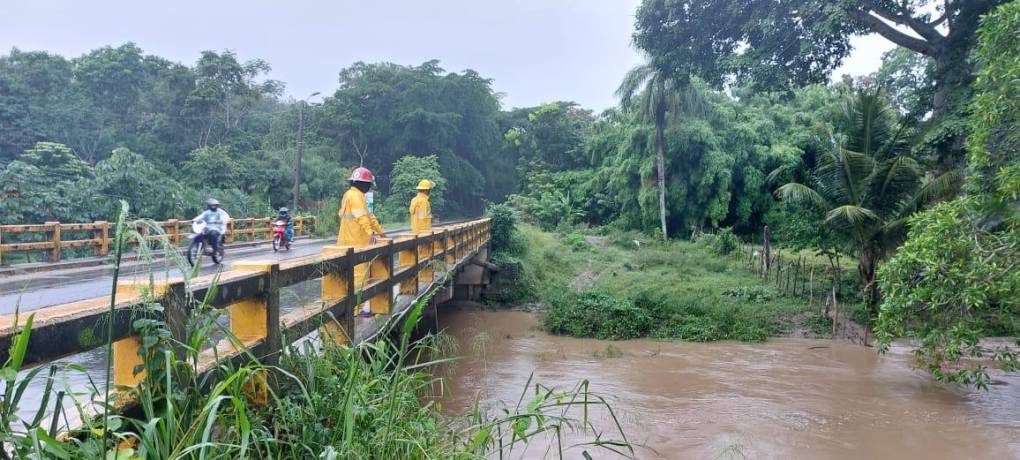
<point>362,175</point>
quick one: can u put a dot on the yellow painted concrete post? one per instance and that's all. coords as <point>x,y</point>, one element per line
<point>381,268</point>
<point>334,284</point>
<point>461,231</point>
<point>126,351</point>
<point>337,285</point>
<point>54,237</point>
<point>408,259</point>
<point>249,317</point>
<point>448,247</point>
<point>258,318</point>
<point>425,255</point>
<point>126,357</point>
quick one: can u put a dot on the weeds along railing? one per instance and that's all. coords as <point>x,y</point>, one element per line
<point>251,292</point>
<point>51,237</point>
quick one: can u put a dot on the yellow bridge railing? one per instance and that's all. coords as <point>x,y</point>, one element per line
<point>52,236</point>
<point>399,268</point>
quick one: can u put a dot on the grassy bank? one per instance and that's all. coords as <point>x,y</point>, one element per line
<point>626,285</point>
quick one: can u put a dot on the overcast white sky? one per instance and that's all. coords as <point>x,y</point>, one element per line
<point>534,50</point>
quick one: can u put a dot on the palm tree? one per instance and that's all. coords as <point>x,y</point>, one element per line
<point>866,184</point>
<point>660,97</point>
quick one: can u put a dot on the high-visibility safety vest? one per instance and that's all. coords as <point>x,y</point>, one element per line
<point>421,214</point>
<point>357,223</point>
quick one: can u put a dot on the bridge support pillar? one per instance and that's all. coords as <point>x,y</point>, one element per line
<point>337,285</point>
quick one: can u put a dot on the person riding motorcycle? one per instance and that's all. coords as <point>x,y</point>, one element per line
<point>215,220</point>
<point>285,216</point>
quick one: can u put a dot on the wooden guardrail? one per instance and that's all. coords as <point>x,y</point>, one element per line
<point>251,293</point>
<point>53,234</point>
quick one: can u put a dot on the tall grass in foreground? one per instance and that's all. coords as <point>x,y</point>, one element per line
<point>325,401</point>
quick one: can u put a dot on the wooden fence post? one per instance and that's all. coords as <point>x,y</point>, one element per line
<point>1,246</point>
<point>54,237</point>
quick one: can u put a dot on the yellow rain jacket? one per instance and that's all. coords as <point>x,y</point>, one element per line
<point>421,214</point>
<point>356,223</point>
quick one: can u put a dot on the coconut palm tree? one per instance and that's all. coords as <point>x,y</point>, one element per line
<point>866,184</point>
<point>660,98</point>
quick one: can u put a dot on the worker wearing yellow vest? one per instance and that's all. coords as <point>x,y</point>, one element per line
<point>421,209</point>
<point>358,226</point>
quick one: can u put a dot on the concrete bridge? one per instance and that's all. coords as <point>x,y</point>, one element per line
<point>270,300</point>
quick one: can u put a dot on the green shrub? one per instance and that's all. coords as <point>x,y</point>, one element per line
<point>504,221</point>
<point>599,315</point>
<point>753,294</point>
<point>514,284</point>
<point>706,240</point>
<point>725,242</point>
<point>575,241</point>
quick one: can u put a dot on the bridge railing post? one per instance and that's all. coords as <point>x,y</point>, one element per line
<point>381,269</point>
<point>174,230</point>
<point>127,351</point>
<point>408,259</point>
<point>101,233</point>
<point>53,233</point>
<point>338,287</point>
<point>425,253</point>
<point>258,317</point>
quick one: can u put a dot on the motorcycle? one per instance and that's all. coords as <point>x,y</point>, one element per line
<point>280,240</point>
<point>200,245</point>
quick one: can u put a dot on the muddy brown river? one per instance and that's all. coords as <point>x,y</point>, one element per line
<point>786,398</point>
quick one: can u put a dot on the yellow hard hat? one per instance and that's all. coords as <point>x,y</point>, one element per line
<point>425,184</point>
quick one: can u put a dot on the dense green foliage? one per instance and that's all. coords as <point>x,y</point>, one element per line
<point>956,278</point>
<point>221,128</point>
<point>781,44</point>
<point>407,173</point>
<point>864,185</point>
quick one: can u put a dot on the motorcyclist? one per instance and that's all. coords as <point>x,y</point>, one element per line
<point>215,220</point>
<point>285,216</point>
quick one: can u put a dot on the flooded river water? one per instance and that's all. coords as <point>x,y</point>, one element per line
<point>786,398</point>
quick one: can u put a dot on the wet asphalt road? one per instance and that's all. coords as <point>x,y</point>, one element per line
<point>63,286</point>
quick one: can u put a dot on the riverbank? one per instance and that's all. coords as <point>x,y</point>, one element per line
<point>626,286</point>
<point>785,398</point>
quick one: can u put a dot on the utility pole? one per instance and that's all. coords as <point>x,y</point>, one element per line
<point>300,149</point>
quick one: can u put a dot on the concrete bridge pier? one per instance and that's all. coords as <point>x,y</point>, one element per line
<point>474,277</point>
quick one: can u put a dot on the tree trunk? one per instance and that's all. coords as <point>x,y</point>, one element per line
<point>867,267</point>
<point>660,150</point>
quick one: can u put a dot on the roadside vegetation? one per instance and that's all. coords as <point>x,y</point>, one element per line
<point>612,284</point>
